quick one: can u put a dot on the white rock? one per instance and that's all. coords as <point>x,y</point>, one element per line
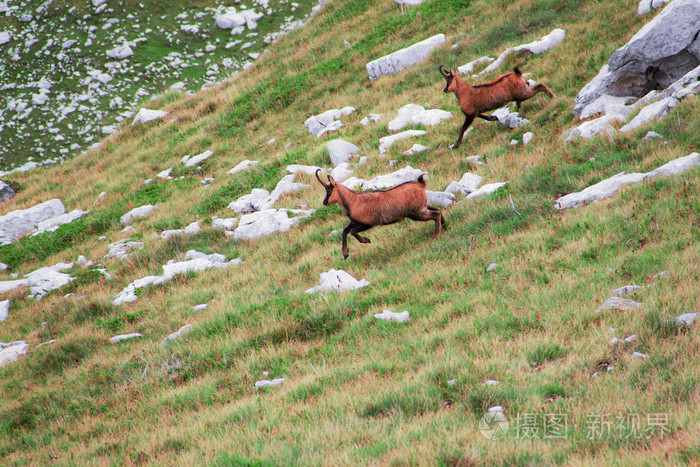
<point>388,141</point>
<point>341,151</point>
<point>486,190</point>
<point>341,172</point>
<point>120,52</point>
<point>267,222</point>
<point>201,307</point>
<point>191,229</point>
<point>639,355</point>
<point>121,249</point>
<point>184,329</point>
<point>508,118</point>
<point>609,187</point>
<point>265,382</point>
<point>626,289</point>
<point>56,221</point>
<point>9,353</point>
<point>412,114</point>
<point>46,279</point>
<point>371,118</point>
<point>617,303</point>
<point>225,224</point>
<point>4,309</point>
<point>440,198</point>
<point>469,67</point>
<point>645,6</point>
<point>651,112</point>
<point>22,221</point>
<point>337,281</point>
<point>327,121</point>
<point>527,137</point>
<point>592,128</point>
<point>451,382</point>
<point>5,37</point>
<point>146,115</point>
<point>491,382</point>
<point>305,169</point>
<point>165,173</point>
<point>242,166</point>
<point>608,105</point>
<point>548,42</point>
<point>198,159</point>
<point>491,267</point>
<point>652,135</point>
<point>394,63</point>
<point>123,337</point>
<point>407,174</point>
<point>416,149</point>
<point>686,319</point>
<point>141,211</point>
<point>388,315</point>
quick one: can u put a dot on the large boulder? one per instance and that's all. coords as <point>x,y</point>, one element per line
<point>6,192</point>
<point>413,114</point>
<point>22,221</point>
<point>661,52</point>
<point>393,63</point>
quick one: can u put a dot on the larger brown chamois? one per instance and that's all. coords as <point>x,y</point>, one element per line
<point>474,100</point>
<point>381,207</point>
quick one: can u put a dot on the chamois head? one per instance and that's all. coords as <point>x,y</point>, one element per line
<point>331,192</point>
<point>450,85</point>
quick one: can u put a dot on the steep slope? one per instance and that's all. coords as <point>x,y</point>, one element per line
<point>356,389</point>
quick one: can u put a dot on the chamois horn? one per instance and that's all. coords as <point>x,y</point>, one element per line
<point>319,178</point>
<point>443,72</point>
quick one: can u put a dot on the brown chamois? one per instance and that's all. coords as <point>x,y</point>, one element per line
<point>474,100</point>
<point>381,207</point>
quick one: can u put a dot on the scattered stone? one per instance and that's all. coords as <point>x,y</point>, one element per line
<point>201,307</point>
<point>388,315</point>
<point>327,121</point>
<point>631,338</point>
<point>416,149</point>
<point>514,142</point>
<point>548,42</point>
<point>3,267</point>
<point>412,114</point>
<point>639,355</point>
<point>191,229</point>
<point>196,160</point>
<point>686,319</point>
<point>613,341</point>
<point>491,267</point>
<point>394,63</point>
<point>508,118</point>
<point>22,221</point>
<point>6,192</point>
<point>4,309</point>
<point>486,190</point>
<point>661,274</point>
<point>617,303</point>
<point>451,382</point>
<point>225,224</point>
<point>407,174</point>
<point>475,159</point>
<point>146,115</point>
<point>652,135</point>
<point>165,173</point>
<point>341,151</point>
<point>55,222</point>
<point>469,67</point>
<point>440,198</point>
<point>194,261</point>
<point>120,52</point>
<point>46,343</point>
<point>388,141</point>
<point>269,221</point>
<point>469,183</point>
<point>341,172</point>
<point>124,337</point>
<point>337,281</point>
<point>645,6</point>
<point>184,329</point>
<point>491,382</point>
<point>141,211</point>
<point>242,166</point>
<point>527,137</point>
<point>305,169</point>
<point>609,186</point>
<point>10,352</point>
<point>371,118</point>
<point>625,290</point>
<point>122,248</point>
<point>265,382</point>
<point>651,112</point>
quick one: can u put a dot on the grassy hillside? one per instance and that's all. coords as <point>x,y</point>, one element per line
<point>359,390</point>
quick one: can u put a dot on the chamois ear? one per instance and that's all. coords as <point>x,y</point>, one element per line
<point>331,180</point>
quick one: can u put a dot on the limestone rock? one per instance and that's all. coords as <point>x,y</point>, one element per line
<point>146,115</point>
<point>548,42</point>
<point>469,67</point>
<point>337,281</point>
<point>617,303</point>
<point>388,141</point>
<point>122,248</point>
<point>341,172</point>
<point>242,166</point>
<point>124,337</point>
<point>412,114</point>
<point>508,118</point>
<point>388,315</point>
<point>320,124</point>
<point>184,329</point>
<point>341,151</point>
<point>141,211</point>
<point>372,118</point>
<point>225,224</point>
<point>4,309</point>
<point>191,229</point>
<point>651,112</point>
<point>267,383</point>
<point>10,352</point>
<point>22,221</point>
<point>686,319</point>
<point>198,159</point>
<point>6,192</point>
<point>440,198</point>
<point>486,190</point>
<point>469,183</point>
<point>267,222</point>
<point>626,289</point>
<point>416,149</point>
<point>394,63</point>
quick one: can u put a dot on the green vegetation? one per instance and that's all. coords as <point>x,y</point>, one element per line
<point>358,390</point>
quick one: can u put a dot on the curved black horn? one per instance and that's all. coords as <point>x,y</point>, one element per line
<point>443,72</point>
<point>319,178</point>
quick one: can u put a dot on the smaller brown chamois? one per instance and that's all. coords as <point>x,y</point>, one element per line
<point>381,207</point>
<point>474,100</point>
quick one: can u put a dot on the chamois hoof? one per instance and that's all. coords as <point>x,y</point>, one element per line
<point>364,240</point>
<point>452,146</point>
<point>345,255</point>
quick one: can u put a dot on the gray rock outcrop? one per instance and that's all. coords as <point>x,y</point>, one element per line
<point>6,192</point>
<point>22,221</point>
<point>395,62</point>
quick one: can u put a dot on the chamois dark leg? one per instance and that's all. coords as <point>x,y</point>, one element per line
<point>467,121</point>
<point>427,214</point>
<point>490,118</point>
<point>360,228</point>
<point>442,217</point>
<point>346,231</point>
